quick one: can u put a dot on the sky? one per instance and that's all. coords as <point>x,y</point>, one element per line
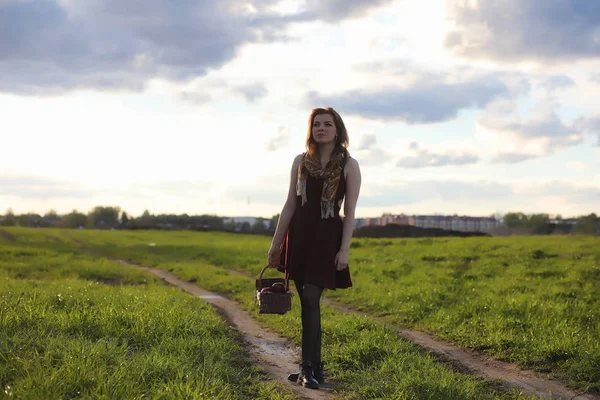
<point>470,107</point>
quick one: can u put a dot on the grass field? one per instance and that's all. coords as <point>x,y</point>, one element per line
<point>72,326</point>
<point>529,300</point>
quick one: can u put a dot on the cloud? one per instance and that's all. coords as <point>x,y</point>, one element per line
<point>543,131</point>
<point>422,102</point>
<point>578,194</point>
<point>484,193</point>
<point>590,125</point>
<point>318,10</point>
<point>52,46</point>
<point>367,141</point>
<point>258,194</point>
<point>511,158</point>
<point>517,30</point>
<point>373,156</point>
<point>205,90</point>
<point>252,92</point>
<point>44,188</point>
<point>557,82</point>
<point>423,159</point>
<point>405,193</point>
<point>114,43</point>
<point>335,10</point>
<point>41,188</point>
<point>279,141</point>
<point>195,97</point>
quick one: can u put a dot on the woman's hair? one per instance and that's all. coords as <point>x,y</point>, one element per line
<point>342,140</point>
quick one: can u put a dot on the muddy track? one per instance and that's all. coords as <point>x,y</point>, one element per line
<point>7,235</point>
<point>275,355</point>
<point>471,362</point>
<point>278,356</point>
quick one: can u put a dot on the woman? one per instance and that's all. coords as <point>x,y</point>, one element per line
<point>311,240</point>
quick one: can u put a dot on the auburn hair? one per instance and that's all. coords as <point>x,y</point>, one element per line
<point>342,140</point>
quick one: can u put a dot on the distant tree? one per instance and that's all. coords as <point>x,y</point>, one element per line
<point>74,219</point>
<point>587,224</point>
<point>124,218</point>
<point>30,220</point>
<point>147,219</point>
<point>9,218</point>
<point>104,217</point>
<point>538,224</point>
<point>514,220</point>
<point>259,226</point>
<point>273,223</point>
<point>245,228</point>
<point>51,218</point>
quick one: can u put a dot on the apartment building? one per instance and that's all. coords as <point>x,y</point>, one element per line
<point>455,223</point>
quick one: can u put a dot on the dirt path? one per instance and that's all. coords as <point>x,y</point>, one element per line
<point>7,235</point>
<point>529,382</point>
<point>276,355</point>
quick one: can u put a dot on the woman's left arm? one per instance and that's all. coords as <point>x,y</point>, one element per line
<point>353,182</point>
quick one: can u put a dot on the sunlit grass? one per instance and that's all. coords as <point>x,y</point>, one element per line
<point>366,359</point>
<point>75,327</point>
<point>529,300</point>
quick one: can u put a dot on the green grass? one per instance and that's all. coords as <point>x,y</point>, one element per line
<point>365,358</point>
<point>529,300</point>
<point>72,326</point>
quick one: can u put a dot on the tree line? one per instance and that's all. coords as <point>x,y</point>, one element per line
<point>542,224</point>
<point>115,218</point>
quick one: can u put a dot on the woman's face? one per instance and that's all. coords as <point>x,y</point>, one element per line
<point>323,129</point>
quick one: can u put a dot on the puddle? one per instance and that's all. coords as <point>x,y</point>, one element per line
<point>210,297</point>
<point>272,349</point>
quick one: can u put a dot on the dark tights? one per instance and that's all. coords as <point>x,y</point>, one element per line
<point>310,298</point>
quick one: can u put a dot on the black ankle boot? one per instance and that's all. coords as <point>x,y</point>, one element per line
<point>306,378</point>
<point>318,372</point>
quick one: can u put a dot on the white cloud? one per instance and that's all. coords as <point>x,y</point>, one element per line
<point>519,30</point>
<point>541,133</point>
<point>423,158</point>
<point>282,139</point>
<point>367,141</point>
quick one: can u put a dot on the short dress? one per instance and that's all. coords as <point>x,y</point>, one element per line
<point>312,242</point>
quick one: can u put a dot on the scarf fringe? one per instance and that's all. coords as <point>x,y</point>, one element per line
<point>327,209</point>
<point>301,190</point>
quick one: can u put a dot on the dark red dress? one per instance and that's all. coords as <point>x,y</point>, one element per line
<point>312,242</point>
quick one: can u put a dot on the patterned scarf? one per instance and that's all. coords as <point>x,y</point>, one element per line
<point>311,164</point>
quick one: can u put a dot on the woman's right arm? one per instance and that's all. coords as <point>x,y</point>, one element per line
<point>286,214</point>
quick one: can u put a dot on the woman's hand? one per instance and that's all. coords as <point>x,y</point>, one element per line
<point>341,260</point>
<point>274,255</point>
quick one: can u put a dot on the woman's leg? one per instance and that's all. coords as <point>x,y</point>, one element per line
<point>310,299</point>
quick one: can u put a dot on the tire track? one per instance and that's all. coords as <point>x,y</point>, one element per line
<point>269,347</point>
<point>274,354</point>
<point>468,361</point>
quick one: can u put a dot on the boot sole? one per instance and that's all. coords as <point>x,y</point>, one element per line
<point>306,385</point>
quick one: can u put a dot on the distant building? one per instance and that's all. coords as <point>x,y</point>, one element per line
<point>455,223</point>
<point>359,222</point>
